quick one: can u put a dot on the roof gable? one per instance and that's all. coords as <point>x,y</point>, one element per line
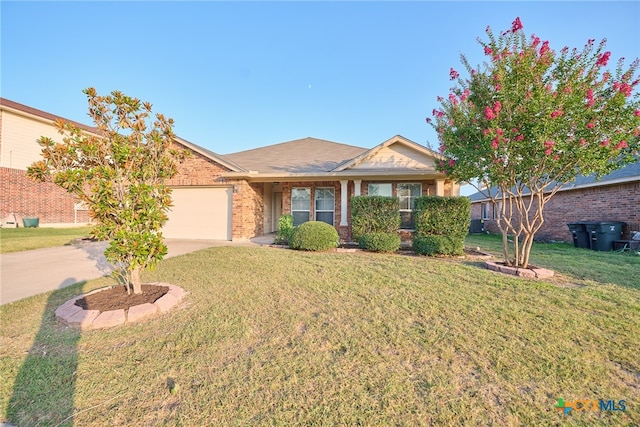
<point>395,154</point>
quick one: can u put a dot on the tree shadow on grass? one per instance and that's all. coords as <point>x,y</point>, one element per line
<point>43,393</point>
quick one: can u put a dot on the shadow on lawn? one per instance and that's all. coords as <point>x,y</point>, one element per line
<point>43,393</point>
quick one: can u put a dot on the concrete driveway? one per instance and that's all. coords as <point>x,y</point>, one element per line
<point>28,273</point>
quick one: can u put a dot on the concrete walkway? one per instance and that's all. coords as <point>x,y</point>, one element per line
<point>28,273</point>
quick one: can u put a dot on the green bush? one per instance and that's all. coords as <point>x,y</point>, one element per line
<point>438,245</point>
<point>314,236</point>
<point>374,214</point>
<point>442,215</point>
<point>441,224</point>
<point>380,242</point>
<point>285,229</point>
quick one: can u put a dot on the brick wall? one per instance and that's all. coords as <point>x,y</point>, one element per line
<point>24,197</point>
<point>619,202</point>
<point>196,170</point>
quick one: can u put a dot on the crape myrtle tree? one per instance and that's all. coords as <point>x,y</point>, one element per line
<point>119,173</point>
<point>531,120</point>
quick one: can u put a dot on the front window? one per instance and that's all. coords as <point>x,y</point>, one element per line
<point>407,193</point>
<point>300,205</point>
<point>325,203</point>
<point>380,190</point>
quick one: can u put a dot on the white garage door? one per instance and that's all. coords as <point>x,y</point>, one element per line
<point>200,213</point>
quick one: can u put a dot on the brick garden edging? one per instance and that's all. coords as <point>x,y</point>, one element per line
<point>531,273</point>
<point>76,317</point>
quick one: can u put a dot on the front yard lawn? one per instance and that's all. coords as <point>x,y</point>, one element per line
<point>24,239</point>
<point>279,337</point>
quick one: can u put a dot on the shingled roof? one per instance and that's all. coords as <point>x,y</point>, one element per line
<point>628,173</point>
<point>320,156</point>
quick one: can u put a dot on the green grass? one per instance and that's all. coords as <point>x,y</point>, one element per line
<point>279,337</point>
<point>576,263</point>
<point>24,239</point>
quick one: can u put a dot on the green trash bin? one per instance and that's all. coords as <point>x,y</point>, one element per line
<point>602,234</point>
<point>30,222</point>
<point>579,233</point>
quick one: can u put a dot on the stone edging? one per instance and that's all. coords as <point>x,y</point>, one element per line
<point>76,317</point>
<point>532,272</point>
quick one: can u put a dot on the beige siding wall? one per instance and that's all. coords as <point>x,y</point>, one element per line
<point>397,156</point>
<point>18,146</point>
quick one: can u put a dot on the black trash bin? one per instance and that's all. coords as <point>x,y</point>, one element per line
<point>602,234</point>
<point>579,233</point>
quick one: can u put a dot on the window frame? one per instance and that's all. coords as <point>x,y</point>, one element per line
<point>411,197</point>
<point>320,190</point>
<point>308,210</point>
<point>380,183</point>
<point>485,208</point>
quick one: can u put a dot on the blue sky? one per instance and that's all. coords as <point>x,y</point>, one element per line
<point>240,75</point>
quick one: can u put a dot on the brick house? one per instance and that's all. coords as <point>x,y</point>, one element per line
<point>614,197</point>
<point>240,195</point>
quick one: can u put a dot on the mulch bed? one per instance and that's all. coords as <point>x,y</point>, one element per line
<point>116,298</point>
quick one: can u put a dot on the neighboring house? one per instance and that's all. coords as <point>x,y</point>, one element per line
<point>614,197</point>
<point>20,127</point>
<point>241,195</point>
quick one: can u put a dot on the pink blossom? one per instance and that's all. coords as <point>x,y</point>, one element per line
<point>605,142</point>
<point>486,132</point>
<point>567,89</point>
<point>590,125</point>
<point>516,25</point>
<point>497,107</point>
<point>622,144</point>
<point>498,86</point>
<point>583,141</point>
<point>442,148</point>
<point>487,50</point>
<point>488,113</point>
<point>556,113</point>
<point>453,74</point>
<point>624,88</point>
<point>520,137</point>
<point>440,99</point>
<point>535,40</point>
<point>544,48</point>
<point>465,95</point>
<point>549,147</point>
<point>452,162</point>
<point>428,119</point>
<point>495,142</point>
<point>437,113</point>
<point>636,113</point>
<point>603,59</point>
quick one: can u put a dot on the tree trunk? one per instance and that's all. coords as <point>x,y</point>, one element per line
<point>136,283</point>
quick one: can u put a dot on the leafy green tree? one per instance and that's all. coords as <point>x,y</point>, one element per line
<point>531,120</point>
<point>119,172</point>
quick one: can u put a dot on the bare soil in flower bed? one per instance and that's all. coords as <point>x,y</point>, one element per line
<point>117,298</point>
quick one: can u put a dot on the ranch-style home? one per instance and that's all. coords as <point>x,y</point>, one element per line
<point>235,196</point>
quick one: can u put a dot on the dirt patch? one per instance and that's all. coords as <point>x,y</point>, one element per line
<point>116,298</point>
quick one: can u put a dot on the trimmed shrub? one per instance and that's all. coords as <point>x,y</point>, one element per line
<point>380,242</point>
<point>442,215</point>
<point>314,236</point>
<point>441,225</point>
<point>438,245</point>
<point>374,214</point>
<point>285,229</point>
